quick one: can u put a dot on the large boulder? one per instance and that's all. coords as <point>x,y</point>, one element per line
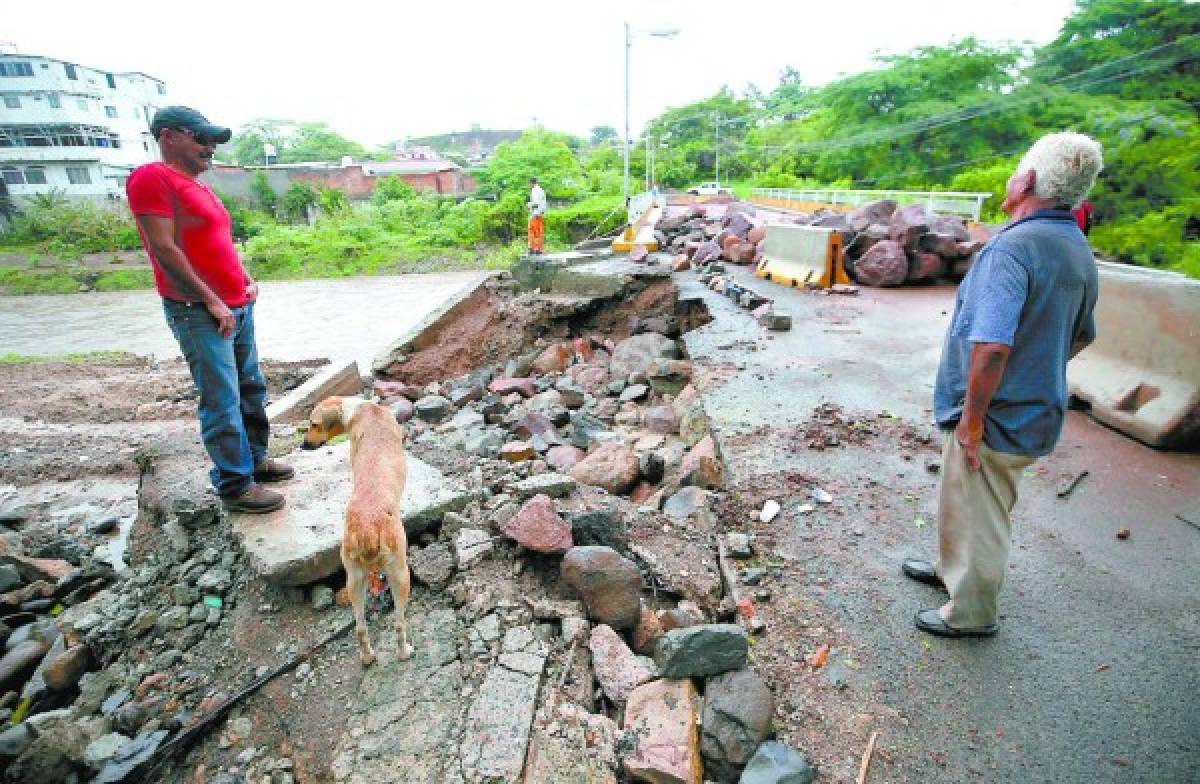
<point>707,649</point>
<point>739,224</point>
<point>537,526</point>
<point>618,671</point>
<point>661,717</point>
<point>738,708</point>
<point>951,225</point>
<point>872,212</point>
<point>885,264</point>
<point>908,224</point>
<point>611,466</point>
<point>634,354</point>
<point>609,584</point>
<point>705,252</point>
<point>944,245</point>
<point>925,267</point>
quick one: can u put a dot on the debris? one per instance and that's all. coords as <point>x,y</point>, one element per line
<point>818,659</point>
<point>919,522</point>
<point>1122,533</point>
<point>1102,667</point>
<point>806,509</point>
<point>866,758</point>
<point>769,511</point>
<point>1068,485</point>
<point>821,496</point>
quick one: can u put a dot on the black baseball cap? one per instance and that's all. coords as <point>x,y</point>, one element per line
<point>192,120</point>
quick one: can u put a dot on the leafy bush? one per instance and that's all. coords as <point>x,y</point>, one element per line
<point>393,189</point>
<point>297,199</point>
<point>1156,239</point>
<point>263,192</point>
<point>70,229</point>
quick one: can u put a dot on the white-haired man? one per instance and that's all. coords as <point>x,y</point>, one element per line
<point>1023,310</point>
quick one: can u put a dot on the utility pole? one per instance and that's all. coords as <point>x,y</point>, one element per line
<point>628,46</point>
<point>717,126</point>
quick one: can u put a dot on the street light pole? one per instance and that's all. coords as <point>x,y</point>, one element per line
<point>717,125</point>
<point>628,46</point>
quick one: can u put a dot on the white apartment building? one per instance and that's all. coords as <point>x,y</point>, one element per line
<point>71,128</point>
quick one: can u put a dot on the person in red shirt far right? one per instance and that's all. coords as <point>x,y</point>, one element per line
<point>208,298</point>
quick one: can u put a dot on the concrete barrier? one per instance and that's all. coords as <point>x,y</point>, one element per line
<point>795,255</point>
<point>337,379</point>
<point>1142,375</point>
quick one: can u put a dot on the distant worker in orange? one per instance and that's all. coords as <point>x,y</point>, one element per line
<point>537,217</point>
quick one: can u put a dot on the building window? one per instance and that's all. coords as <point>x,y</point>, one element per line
<point>12,176</point>
<point>35,175</point>
<point>16,69</point>
<point>82,103</point>
<point>111,81</point>
<point>52,99</point>
<point>110,111</point>
<point>70,71</point>
<point>79,175</point>
<point>12,102</point>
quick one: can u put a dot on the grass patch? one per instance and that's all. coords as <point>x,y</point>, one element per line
<point>75,358</point>
<point>124,280</point>
<point>19,281</point>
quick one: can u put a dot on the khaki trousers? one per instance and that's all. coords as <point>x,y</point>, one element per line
<point>974,530</point>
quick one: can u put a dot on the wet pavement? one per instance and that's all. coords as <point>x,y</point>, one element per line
<point>305,319</point>
<point>1095,674</point>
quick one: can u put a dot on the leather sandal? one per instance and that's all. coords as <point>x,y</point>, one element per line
<point>922,572</point>
<point>273,471</point>
<point>931,622</point>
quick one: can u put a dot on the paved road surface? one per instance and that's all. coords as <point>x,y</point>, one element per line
<point>305,319</point>
<point>1095,674</point>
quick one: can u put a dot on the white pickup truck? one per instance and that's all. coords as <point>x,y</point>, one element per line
<point>708,189</point>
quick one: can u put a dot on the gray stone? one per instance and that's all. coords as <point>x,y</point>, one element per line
<point>693,425</point>
<point>634,354</point>
<point>103,749</point>
<point>322,597</point>
<point>483,442</point>
<point>433,408</point>
<point>609,584</point>
<point>19,664</point>
<point>10,578</point>
<point>738,708</point>
<point>173,619</point>
<point>15,740</point>
<point>634,393</point>
<point>432,565</point>
<point>600,527</point>
<point>300,543</point>
<point>470,546</point>
<point>777,322</point>
<point>216,580</point>
<point>707,649</point>
<point>739,545</point>
<point>775,763</point>
<point>552,484</point>
<point>130,757</point>
<point>685,503</point>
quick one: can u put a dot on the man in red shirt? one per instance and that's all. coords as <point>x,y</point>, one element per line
<point>208,298</point>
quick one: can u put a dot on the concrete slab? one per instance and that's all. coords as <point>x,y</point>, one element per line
<point>300,543</point>
<point>340,378</point>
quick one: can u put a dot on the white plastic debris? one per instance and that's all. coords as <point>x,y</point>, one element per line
<point>769,511</point>
<point>806,509</point>
<point>820,496</point>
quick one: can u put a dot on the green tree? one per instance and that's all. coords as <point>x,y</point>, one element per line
<point>604,134</point>
<point>298,197</point>
<point>247,144</point>
<point>316,141</point>
<point>263,193</point>
<point>537,153</point>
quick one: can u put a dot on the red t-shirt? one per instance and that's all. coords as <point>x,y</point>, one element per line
<point>202,230</point>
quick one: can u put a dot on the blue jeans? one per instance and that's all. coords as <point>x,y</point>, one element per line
<point>233,393</point>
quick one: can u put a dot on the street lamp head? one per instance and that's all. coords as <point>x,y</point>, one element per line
<point>664,32</point>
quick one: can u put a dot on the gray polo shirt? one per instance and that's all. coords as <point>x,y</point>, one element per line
<point>1033,287</point>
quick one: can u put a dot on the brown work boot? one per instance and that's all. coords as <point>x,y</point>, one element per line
<point>273,471</point>
<point>256,500</point>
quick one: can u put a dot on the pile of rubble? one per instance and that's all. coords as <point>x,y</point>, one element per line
<point>883,245</point>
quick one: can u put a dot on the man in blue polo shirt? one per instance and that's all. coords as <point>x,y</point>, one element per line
<point>1023,310</point>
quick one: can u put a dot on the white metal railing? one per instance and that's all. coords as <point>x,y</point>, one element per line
<point>642,203</point>
<point>968,205</point>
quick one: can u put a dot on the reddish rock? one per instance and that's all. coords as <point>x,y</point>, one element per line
<point>516,451</point>
<point>705,252</point>
<point>661,419</point>
<point>386,390</point>
<point>554,359</point>
<point>642,491</point>
<point>926,266</point>
<point>617,670</point>
<point>873,212</point>
<point>661,715</point>
<point>756,235</point>
<point>525,387</point>
<point>681,263</point>
<point>680,617</point>
<point>583,347</point>
<point>590,377</point>
<point>744,253</point>
<point>638,253</point>
<point>885,264</point>
<point>611,466</point>
<point>563,458</point>
<point>951,225</point>
<point>34,569</point>
<point>702,466</point>
<point>648,630</point>
<point>537,526</point>
<point>65,671</point>
<point>534,423</point>
<point>609,584</point>
<point>907,225</point>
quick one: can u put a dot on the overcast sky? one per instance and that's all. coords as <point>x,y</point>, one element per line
<point>382,71</point>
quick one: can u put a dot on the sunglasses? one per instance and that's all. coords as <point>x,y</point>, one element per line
<point>199,138</point>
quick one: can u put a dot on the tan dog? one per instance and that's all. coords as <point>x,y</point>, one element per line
<point>374,538</point>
